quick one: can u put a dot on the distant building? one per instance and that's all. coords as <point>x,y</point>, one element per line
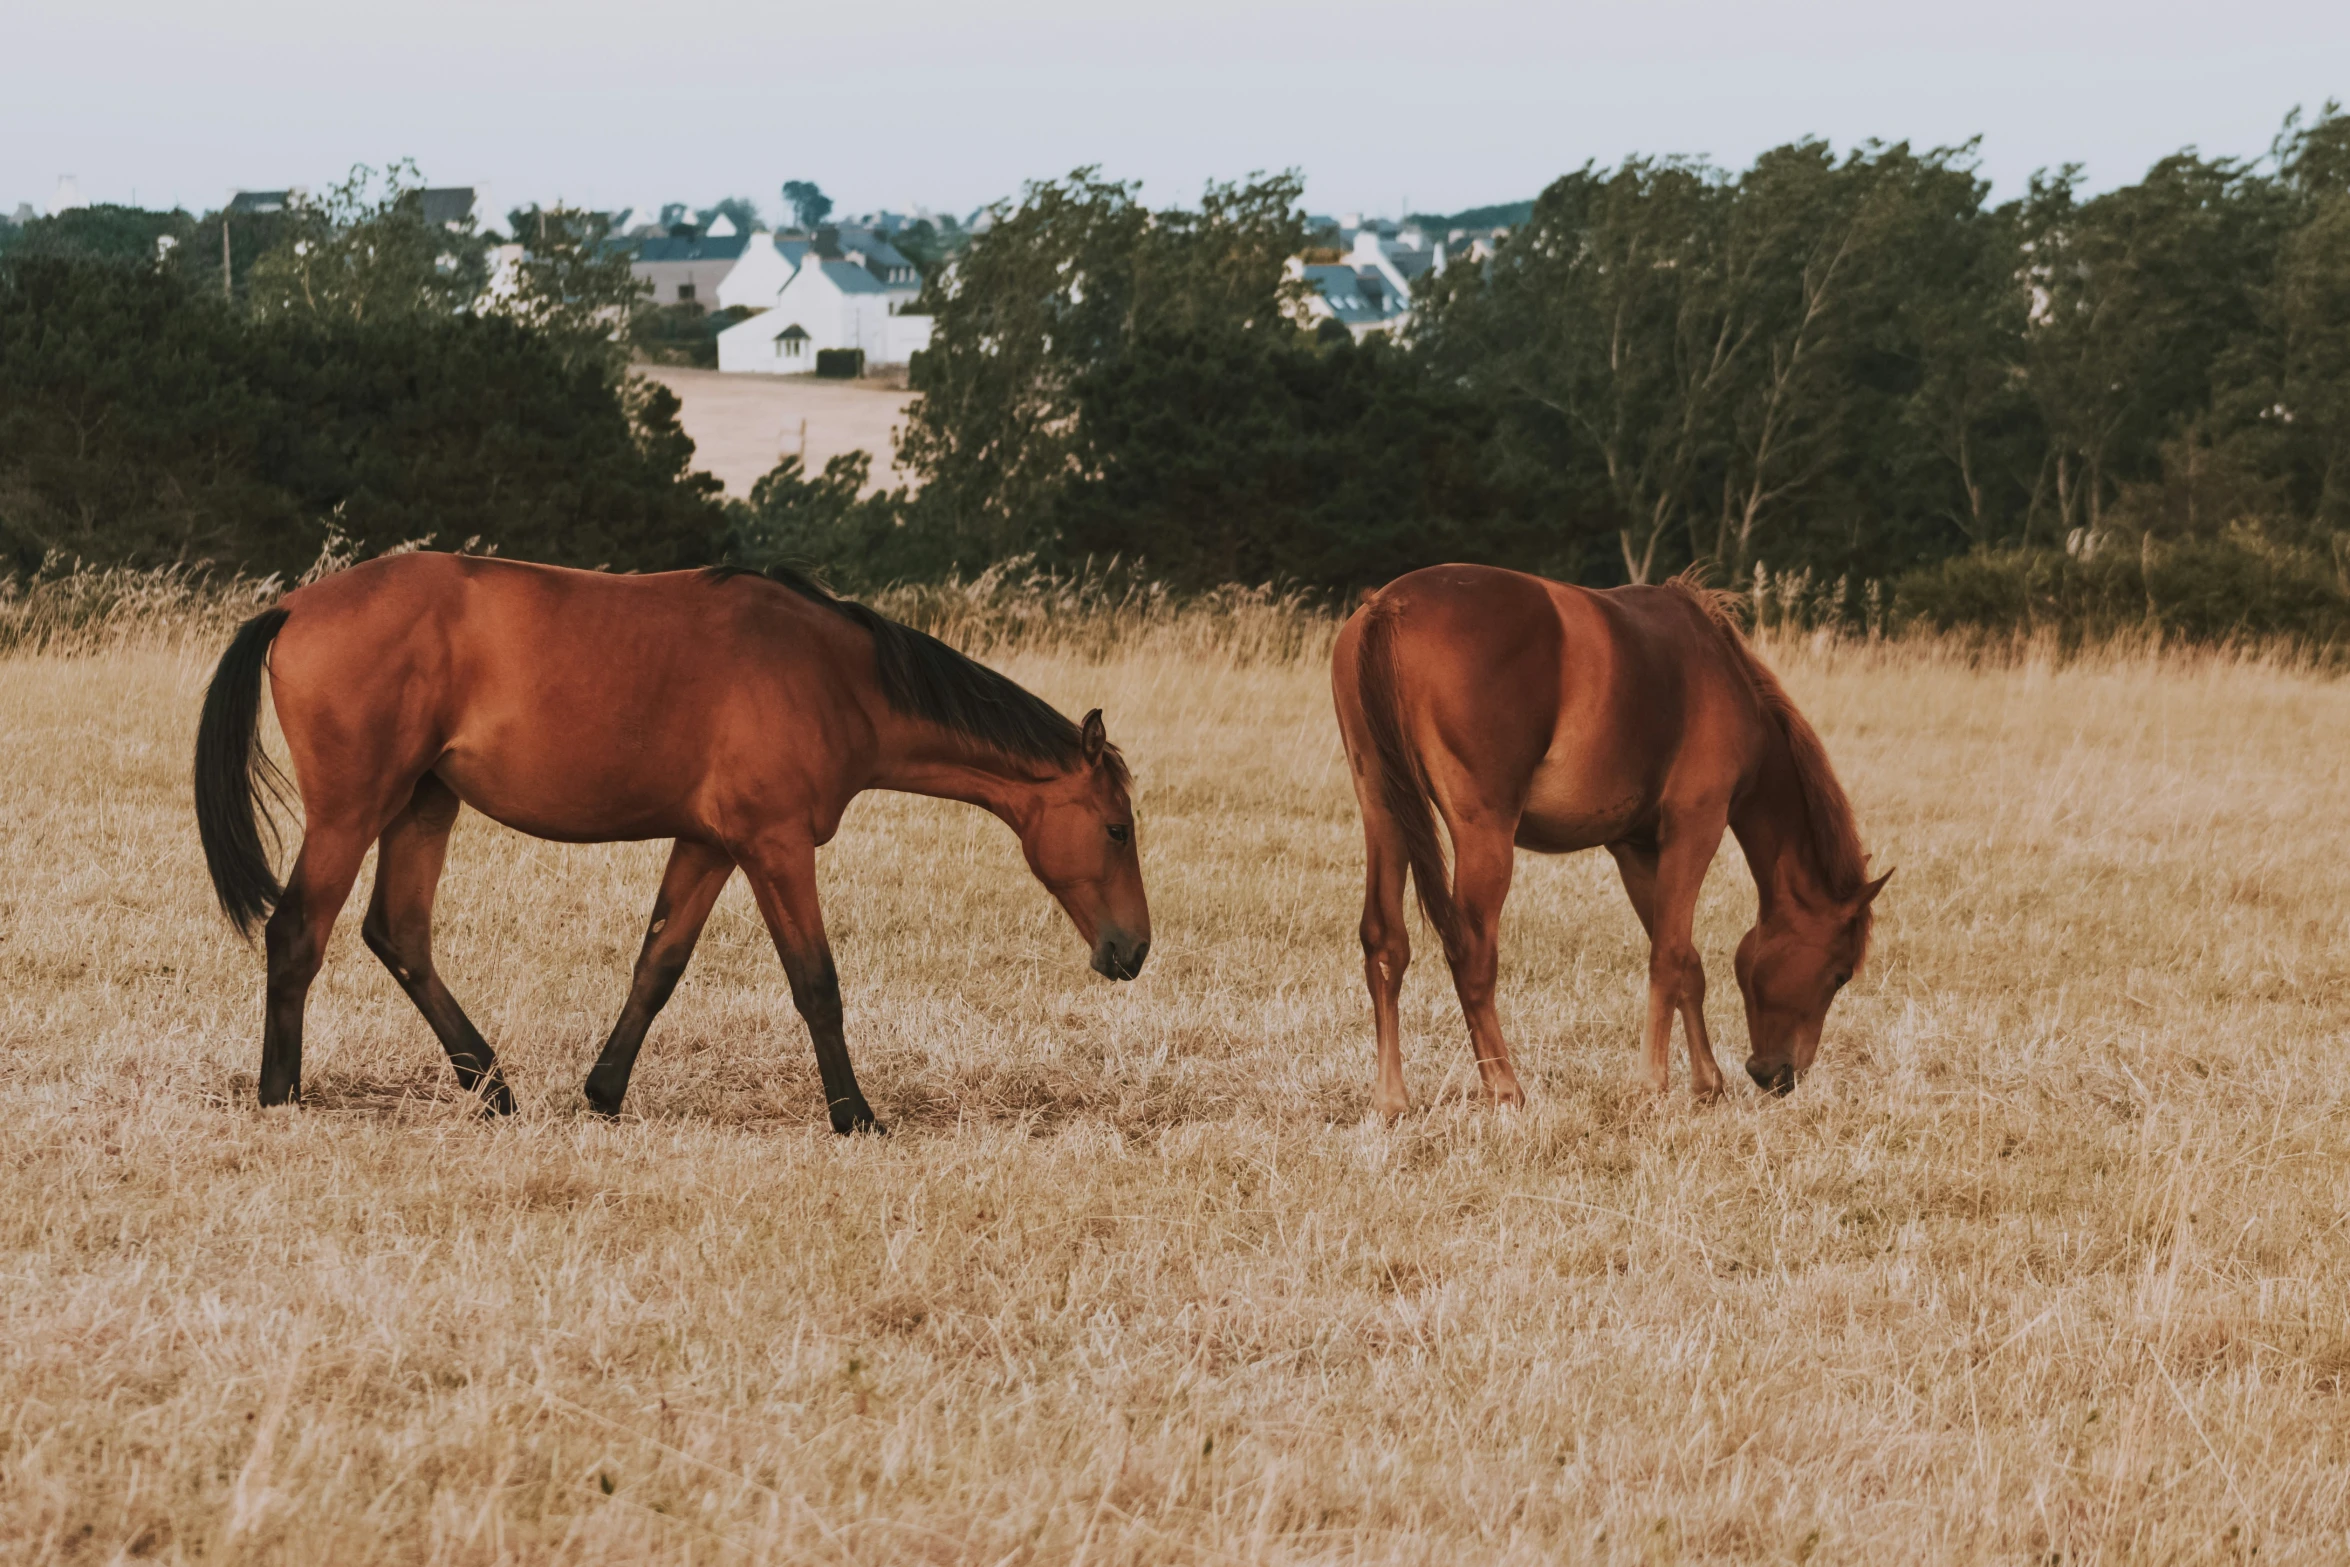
<point>1361,299</point>
<point>828,303</point>
<point>245,202</point>
<point>686,269</point>
<point>870,249</point>
<point>1369,288</point>
<point>451,206</point>
<point>68,197</point>
<point>768,262</point>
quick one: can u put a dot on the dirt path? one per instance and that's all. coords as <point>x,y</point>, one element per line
<point>743,424</point>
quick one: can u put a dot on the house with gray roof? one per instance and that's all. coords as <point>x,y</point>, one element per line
<point>1361,299</point>
<point>830,302</point>
<point>767,263</point>
<point>684,268</point>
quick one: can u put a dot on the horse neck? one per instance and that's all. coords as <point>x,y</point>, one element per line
<point>919,757</point>
<point>1772,820</point>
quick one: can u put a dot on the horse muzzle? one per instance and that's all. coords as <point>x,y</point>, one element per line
<point>1116,957</point>
<point>1772,1077</point>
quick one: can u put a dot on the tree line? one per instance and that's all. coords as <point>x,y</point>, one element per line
<point>341,373</point>
<point>1843,368</point>
<point>1824,368</point>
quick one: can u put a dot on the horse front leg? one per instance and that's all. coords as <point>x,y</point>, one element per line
<point>783,879</point>
<point>1671,875</point>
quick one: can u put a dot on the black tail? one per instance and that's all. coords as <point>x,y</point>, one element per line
<point>232,773</point>
<point>1403,782</point>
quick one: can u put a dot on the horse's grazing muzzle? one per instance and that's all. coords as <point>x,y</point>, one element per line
<point>1118,958</point>
<point>1772,1077</point>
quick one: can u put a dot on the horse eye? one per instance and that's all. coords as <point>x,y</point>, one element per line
<point>1120,832</point>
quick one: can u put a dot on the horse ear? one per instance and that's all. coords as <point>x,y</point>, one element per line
<point>1093,737</point>
<point>1868,894</point>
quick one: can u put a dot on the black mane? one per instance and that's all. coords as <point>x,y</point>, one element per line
<point>924,678</point>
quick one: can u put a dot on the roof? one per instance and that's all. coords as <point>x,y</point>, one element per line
<point>1357,298</point>
<point>260,201</point>
<point>449,204</point>
<point>727,248</point>
<point>1413,264</point>
<point>877,251</point>
<point>850,278</point>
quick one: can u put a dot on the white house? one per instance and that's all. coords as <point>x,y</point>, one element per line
<point>1361,299</point>
<point>767,263</point>
<point>826,304</point>
<point>1368,290</point>
<point>1402,261</point>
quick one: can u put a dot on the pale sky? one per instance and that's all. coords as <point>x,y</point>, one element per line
<point>1443,105</point>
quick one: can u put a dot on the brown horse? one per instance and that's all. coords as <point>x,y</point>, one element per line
<point>734,712</point>
<point>1554,718</point>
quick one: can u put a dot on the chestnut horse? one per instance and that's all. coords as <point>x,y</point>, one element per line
<point>1536,715</point>
<point>735,712</point>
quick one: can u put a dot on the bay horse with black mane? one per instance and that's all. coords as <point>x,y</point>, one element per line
<point>735,712</point>
<point>1529,714</point>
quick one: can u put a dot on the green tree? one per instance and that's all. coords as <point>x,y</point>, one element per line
<point>2137,294</point>
<point>809,206</point>
<point>129,234</point>
<point>572,284</point>
<point>365,252</point>
<point>1598,337</point>
<point>1058,288</point>
<point>740,211</point>
<point>143,421</point>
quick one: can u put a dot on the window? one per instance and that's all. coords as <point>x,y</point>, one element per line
<point>685,293</point>
<point>791,342</point>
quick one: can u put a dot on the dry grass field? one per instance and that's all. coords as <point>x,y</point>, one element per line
<point>2047,1262</point>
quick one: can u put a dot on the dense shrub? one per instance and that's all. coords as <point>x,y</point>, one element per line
<point>142,422</point>
<point>840,364</point>
<point>681,334</point>
<point>2236,587</point>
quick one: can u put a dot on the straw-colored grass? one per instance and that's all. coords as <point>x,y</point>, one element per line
<point>2046,1262</point>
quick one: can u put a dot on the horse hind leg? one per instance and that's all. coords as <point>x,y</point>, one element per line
<point>1387,952</point>
<point>398,929</point>
<point>295,941</point>
<point>1485,857</point>
<point>690,887</point>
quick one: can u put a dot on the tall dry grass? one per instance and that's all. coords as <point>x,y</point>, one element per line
<point>2047,1261</point>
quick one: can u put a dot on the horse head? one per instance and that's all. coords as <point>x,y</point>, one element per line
<point>1078,834</point>
<point>1800,953</point>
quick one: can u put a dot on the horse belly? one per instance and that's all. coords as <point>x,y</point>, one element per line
<point>569,794</point>
<point>1574,805</point>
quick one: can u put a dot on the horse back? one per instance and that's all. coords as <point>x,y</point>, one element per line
<point>571,704</point>
<point>1576,714</point>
